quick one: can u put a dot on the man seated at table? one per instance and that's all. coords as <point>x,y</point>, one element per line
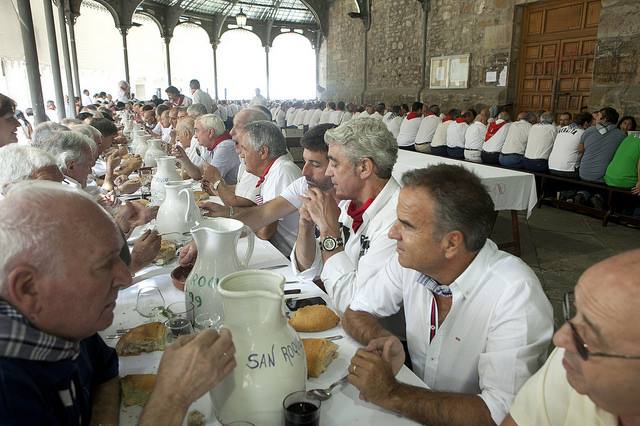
<point>353,242</point>
<point>58,288</point>
<point>599,144</point>
<point>427,128</point>
<point>474,137</point>
<point>593,376</point>
<point>439,141</point>
<point>456,133</point>
<point>515,142</point>
<point>478,322</point>
<point>264,151</point>
<point>409,127</point>
<point>539,144</point>
<point>217,149</point>
<point>24,162</point>
<point>494,138</point>
<point>565,153</point>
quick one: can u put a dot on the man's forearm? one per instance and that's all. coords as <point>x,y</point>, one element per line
<point>363,326</point>
<point>437,408</point>
<point>305,248</point>
<point>105,407</point>
<point>162,411</point>
<point>192,170</point>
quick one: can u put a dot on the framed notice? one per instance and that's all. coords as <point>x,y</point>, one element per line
<point>449,72</point>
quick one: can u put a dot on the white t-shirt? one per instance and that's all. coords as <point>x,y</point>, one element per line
<point>495,142</point>
<point>394,125</point>
<point>86,100</point>
<point>564,155</point>
<point>293,192</point>
<point>202,97</point>
<point>440,135</point>
<point>280,118</point>
<point>408,131</point>
<point>225,158</point>
<point>308,114</point>
<point>246,184</point>
<point>474,138</point>
<point>297,119</point>
<point>495,335</point>
<point>336,117</point>
<point>259,100</point>
<point>427,128</point>
<point>456,133</point>
<point>325,116</point>
<point>166,134</point>
<point>289,116</point>
<point>365,251</point>
<point>346,116</point>
<point>376,115</point>
<point>516,139</point>
<point>315,118</point>
<point>547,399</point>
<point>540,142</point>
<point>281,174</point>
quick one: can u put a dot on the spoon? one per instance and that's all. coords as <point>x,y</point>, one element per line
<point>324,394</point>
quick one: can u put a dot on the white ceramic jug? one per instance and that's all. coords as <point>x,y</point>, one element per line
<point>178,212</point>
<point>217,241</point>
<point>140,144</point>
<point>269,354</point>
<point>154,150</point>
<point>165,172</point>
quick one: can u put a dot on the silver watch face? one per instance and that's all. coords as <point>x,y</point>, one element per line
<point>329,243</point>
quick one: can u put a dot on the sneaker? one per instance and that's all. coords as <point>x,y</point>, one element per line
<point>597,202</point>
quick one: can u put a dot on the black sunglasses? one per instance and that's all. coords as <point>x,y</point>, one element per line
<point>581,346</point>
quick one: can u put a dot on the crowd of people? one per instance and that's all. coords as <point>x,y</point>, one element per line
<point>406,264</point>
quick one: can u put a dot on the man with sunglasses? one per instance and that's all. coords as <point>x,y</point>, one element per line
<point>593,376</point>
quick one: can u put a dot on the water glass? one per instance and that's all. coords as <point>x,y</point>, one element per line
<point>150,303</point>
<point>299,410</point>
<point>176,327</point>
<point>206,320</point>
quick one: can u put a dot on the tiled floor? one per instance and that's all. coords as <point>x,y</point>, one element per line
<point>559,245</point>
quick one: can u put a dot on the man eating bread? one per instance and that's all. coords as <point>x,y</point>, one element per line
<point>61,272</point>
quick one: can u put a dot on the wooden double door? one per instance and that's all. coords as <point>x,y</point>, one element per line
<point>557,55</point>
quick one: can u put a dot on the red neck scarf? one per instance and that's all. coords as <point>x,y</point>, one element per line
<point>460,120</point>
<point>412,115</point>
<point>429,113</point>
<point>264,174</point>
<point>446,118</point>
<point>356,213</point>
<point>493,128</point>
<point>223,137</point>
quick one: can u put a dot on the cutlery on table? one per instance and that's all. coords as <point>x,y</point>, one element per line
<point>324,394</point>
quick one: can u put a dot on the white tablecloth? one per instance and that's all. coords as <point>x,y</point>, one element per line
<point>344,407</point>
<point>509,189</point>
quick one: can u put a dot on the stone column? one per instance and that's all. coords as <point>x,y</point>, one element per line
<point>266,50</point>
<point>124,31</point>
<point>71,22</point>
<point>31,60</point>
<point>214,46</point>
<point>167,42</point>
<point>55,60</point>
<point>70,107</point>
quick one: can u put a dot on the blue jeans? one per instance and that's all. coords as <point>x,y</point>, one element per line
<point>539,165</point>
<point>513,161</point>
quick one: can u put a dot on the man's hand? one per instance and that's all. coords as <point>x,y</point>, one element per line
<point>214,209</point>
<point>188,254</point>
<point>211,173</point>
<point>145,249</point>
<point>305,218</point>
<point>113,161</point>
<point>323,210</point>
<point>179,152</point>
<point>391,350</point>
<point>636,189</point>
<point>108,200</point>
<point>135,214</point>
<point>129,186</point>
<point>372,376</point>
<point>195,364</point>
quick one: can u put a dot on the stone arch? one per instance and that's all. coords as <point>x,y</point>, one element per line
<point>153,18</point>
<point>107,5</point>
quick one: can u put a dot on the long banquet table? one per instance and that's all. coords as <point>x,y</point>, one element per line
<point>509,189</point>
<point>344,407</point>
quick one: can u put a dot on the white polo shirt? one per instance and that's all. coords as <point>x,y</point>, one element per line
<point>440,135</point>
<point>474,138</point>
<point>427,128</point>
<point>494,143</point>
<point>540,142</point>
<point>455,134</point>
<point>493,339</point>
<point>408,131</point>
<point>281,174</point>
<point>365,252</point>
<point>516,140</point>
<point>564,155</point>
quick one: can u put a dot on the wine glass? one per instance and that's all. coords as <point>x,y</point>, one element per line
<point>206,320</point>
<point>149,302</point>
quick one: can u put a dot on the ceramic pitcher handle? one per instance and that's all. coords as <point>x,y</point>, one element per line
<point>192,214</point>
<point>244,263</point>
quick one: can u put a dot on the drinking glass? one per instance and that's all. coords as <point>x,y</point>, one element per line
<point>299,410</point>
<point>149,303</point>
<point>180,319</point>
<point>206,320</point>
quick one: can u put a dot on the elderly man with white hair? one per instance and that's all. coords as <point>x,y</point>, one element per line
<point>59,281</point>
<point>45,134</point>
<point>73,153</point>
<point>24,162</point>
<point>217,149</point>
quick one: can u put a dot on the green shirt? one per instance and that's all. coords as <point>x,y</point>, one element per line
<point>622,171</point>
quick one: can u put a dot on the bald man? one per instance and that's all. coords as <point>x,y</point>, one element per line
<point>593,376</point>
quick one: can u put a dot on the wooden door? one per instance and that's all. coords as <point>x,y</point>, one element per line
<point>557,55</point>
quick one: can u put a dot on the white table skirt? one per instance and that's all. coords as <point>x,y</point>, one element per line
<point>509,189</point>
<point>344,408</point>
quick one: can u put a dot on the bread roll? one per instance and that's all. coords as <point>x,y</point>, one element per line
<point>143,338</point>
<point>314,318</point>
<point>320,353</point>
<point>136,388</point>
<point>167,252</point>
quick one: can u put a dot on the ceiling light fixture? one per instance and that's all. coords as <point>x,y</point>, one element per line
<point>241,19</point>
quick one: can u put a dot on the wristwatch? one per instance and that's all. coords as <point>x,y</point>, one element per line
<point>216,184</point>
<point>329,243</point>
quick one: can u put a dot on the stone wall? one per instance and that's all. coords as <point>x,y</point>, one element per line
<point>489,30</point>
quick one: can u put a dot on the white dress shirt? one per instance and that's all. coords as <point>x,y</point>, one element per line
<point>440,135</point>
<point>408,131</point>
<point>540,142</point>
<point>516,140</point>
<point>474,138</point>
<point>427,128</point>
<point>456,133</point>
<point>493,339</point>
<point>348,270</point>
<point>494,143</point>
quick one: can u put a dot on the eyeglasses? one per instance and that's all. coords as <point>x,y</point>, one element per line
<point>568,308</point>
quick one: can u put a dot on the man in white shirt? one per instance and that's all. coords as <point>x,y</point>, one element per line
<point>474,138</point>
<point>337,115</point>
<point>565,154</point>
<point>199,96</point>
<point>217,149</point>
<point>280,115</point>
<point>86,98</point>
<point>478,322</point>
<point>456,133</point>
<point>439,141</point>
<point>409,127</point>
<point>51,112</point>
<point>592,378</point>
<point>515,143</point>
<point>259,99</point>
<point>494,139</point>
<point>353,242</point>
<point>325,116</point>
<point>317,114</point>
<point>539,144</point>
<point>176,98</point>
<point>124,92</point>
<point>378,112</point>
<point>427,128</point>
<point>393,120</point>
